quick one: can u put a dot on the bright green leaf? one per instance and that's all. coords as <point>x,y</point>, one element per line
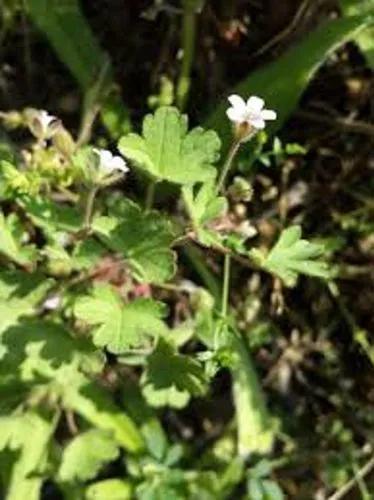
<point>120,326</point>
<point>204,206</point>
<point>292,256</point>
<point>86,454</point>
<point>52,218</point>
<point>95,405</point>
<point>13,241</point>
<point>43,349</point>
<point>27,435</point>
<point>109,489</point>
<point>144,239</point>
<point>20,294</point>
<point>173,386</point>
<point>167,151</point>
<point>146,419</point>
<point>255,427</point>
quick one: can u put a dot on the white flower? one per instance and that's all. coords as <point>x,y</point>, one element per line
<point>246,230</point>
<point>251,112</point>
<point>45,119</point>
<point>52,302</point>
<point>108,163</point>
<point>42,125</point>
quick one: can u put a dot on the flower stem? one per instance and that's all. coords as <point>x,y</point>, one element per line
<point>226,284</point>
<point>89,208</point>
<point>188,48</point>
<point>226,167</point>
<point>150,195</point>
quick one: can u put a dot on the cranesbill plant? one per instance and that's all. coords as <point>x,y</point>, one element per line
<point>104,326</point>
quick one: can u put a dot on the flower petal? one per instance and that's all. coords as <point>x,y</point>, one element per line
<point>268,114</point>
<point>119,163</point>
<point>255,104</point>
<point>236,101</point>
<point>235,115</point>
<point>257,123</point>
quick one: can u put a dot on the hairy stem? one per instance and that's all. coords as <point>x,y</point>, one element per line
<point>89,208</point>
<point>226,167</point>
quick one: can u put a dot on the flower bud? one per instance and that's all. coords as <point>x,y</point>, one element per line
<point>63,142</point>
<point>240,190</point>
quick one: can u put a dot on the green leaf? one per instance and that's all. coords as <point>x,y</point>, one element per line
<point>255,427</point>
<point>25,437</point>
<point>120,326</point>
<point>167,151</point>
<point>86,454</point>
<point>109,489</point>
<point>52,218</point>
<point>144,239</point>
<point>282,82</point>
<point>272,490</point>
<point>12,241</point>
<point>37,349</point>
<point>146,419</point>
<point>292,256</point>
<point>20,294</point>
<point>94,404</point>
<point>173,386</point>
<point>204,206</point>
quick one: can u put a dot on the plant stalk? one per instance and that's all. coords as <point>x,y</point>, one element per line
<point>150,195</point>
<point>227,166</point>
<point>226,284</point>
<point>89,208</point>
<point>188,48</point>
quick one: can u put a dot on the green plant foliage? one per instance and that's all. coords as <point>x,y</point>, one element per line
<point>86,454</point>
<point>53,219</point>
<point>255,427</point>
<point>145,352</point>
<point>13,241</point>
<point>120,326</point>
<point>203,208</point>
<point>95,406</point>
<point>167,151</point>
<point>44,349</point>
<point>143,239</point>
<point>292,256</point>
<point>172,387</point>
<point>260,486</point>
<point>109,489</point>
<point>20,294</point>
<point>24,440</point>
<point>282,82</point>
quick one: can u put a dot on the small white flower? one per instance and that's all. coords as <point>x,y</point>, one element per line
<point>45,119</point>
<point>246,230</point>
<point>42,125</point>
<point>251,112</point>
<point>52,302</point>
<point>188,286</point>
<point>108,163</point>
